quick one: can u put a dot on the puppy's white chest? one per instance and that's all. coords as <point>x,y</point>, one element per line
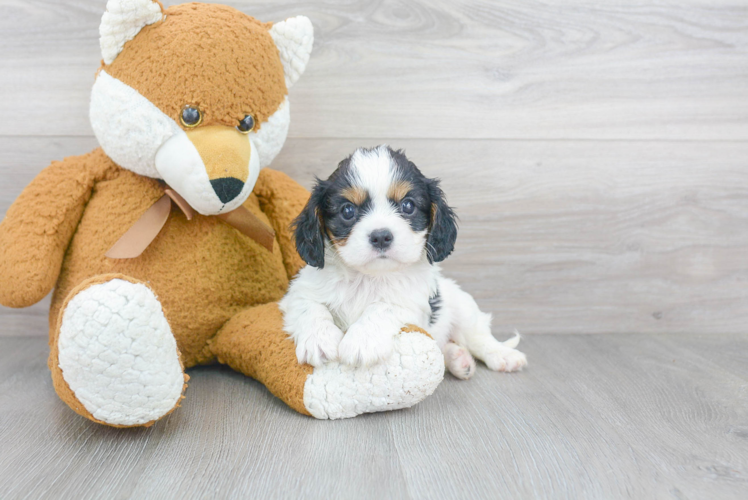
<point>403,301</point>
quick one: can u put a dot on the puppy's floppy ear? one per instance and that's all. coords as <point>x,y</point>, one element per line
<point>309,229</point>
<point>442,226</point>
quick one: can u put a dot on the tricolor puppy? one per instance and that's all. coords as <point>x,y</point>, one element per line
<point>372,235</point>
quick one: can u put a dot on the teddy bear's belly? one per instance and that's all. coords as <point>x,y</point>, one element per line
<point>203,271</point>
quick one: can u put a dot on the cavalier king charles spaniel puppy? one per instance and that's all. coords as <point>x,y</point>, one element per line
<point>372,236</point>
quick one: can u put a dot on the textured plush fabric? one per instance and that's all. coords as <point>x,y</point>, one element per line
<point>61,386</point>
<point>294,38</point>
<point>117,353</point>
<point>270,138</point>
<point>123,20</point>
<point>220,60</point>
<point>279,196</point>
<point>203,271</point>
<point>129,128</point>
<point>224,152</point>
<point>412,373</point>
<point>39,224</point>
<point>252,344</point>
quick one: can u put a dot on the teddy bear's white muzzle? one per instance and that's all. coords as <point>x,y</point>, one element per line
<point>215,186</point>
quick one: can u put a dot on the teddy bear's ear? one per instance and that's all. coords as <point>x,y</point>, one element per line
<point>123,20</point>
<point>294,38</point>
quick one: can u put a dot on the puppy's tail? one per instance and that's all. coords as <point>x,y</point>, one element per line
<point>514,341</point>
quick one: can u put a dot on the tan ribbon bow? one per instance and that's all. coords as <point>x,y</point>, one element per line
<point>145,229</point>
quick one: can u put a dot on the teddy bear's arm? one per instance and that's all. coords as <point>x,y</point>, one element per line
<point>39,225</point>
<point>282,199</point>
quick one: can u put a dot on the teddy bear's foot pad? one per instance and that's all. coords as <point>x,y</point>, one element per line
<point>409,376</point>
<point>118,355</point>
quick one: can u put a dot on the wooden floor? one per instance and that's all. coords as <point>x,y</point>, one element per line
<point>594,416</point>
<point>597,155</point>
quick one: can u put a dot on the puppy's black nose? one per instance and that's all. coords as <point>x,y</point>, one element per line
<point>227,188</point>
<point>381,239</point>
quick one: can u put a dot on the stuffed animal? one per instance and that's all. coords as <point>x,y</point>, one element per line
<point>169,245</point>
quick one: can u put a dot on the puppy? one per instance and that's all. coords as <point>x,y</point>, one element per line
<point>372,235</point>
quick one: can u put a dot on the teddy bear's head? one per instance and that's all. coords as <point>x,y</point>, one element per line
<point>196,95</point>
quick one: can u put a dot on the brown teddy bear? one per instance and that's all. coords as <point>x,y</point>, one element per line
<point>169,245</point>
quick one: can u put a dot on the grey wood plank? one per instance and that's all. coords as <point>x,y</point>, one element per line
<point>440,69</point>
<point>556,236</point>
<point>29,322</point>
<point>608,416</point>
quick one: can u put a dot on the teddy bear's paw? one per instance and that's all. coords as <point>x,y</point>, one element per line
<point>410,374</point>
<point>118,355</point>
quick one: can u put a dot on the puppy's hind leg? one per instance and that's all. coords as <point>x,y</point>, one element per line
<point>499,356</point>
<point>459,361</point>
<point>472,329</point>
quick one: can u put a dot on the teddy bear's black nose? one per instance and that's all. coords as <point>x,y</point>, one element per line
<point>227,188</point>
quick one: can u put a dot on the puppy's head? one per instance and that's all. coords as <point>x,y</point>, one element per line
<point>377,213</point>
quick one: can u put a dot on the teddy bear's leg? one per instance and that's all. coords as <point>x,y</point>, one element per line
<point>253,342</point>
<point>113,357</point>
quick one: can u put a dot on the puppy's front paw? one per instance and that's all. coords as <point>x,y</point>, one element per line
<point>319,346</point>
<point>506,359</point>
<point>364,346</point>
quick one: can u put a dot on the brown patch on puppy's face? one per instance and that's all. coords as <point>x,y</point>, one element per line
<point>337,242</point>
<point>210,56</point>
<point>355,194</point>
<point>399,190</point>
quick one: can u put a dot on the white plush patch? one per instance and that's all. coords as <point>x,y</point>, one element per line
<point>129,128</point>
<point>409,376</point>
<point>118,355</point>
<point>294,38</point>
<point>123,20</point>
<point>272,134</point>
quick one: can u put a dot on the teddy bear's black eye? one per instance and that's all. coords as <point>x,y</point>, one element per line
<point>246,125</point>
<point>191,116</point>
<point>348,211</point>
<point>407,206</point>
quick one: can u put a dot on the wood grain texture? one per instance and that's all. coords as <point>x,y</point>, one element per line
<point>613,416</point>
<point>440,68</point>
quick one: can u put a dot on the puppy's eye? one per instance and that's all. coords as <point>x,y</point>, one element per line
<point>246,125</point>
<point>348,211</point>
<point>407,206</point>
<point>190,116</point>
